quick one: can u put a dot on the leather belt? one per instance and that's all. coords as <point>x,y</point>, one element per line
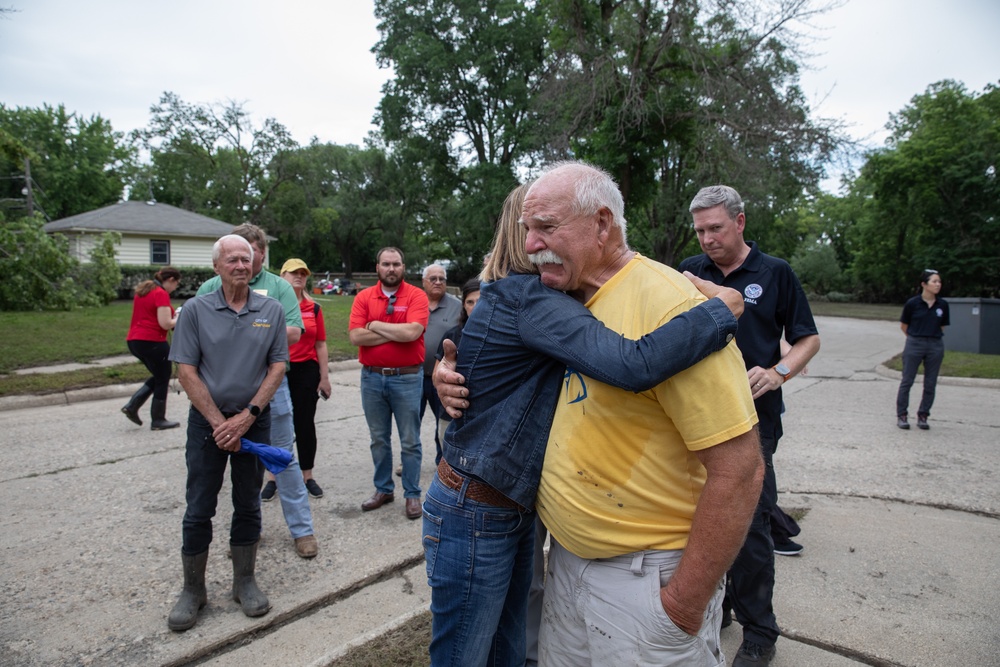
<point>478,491</point>
<point>404,370</point>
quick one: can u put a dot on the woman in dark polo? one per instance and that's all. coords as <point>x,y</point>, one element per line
<point>923,320</point>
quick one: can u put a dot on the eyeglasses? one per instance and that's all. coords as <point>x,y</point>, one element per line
<point>436,279</point>
<point>389,308</point>
<point>929,271</point>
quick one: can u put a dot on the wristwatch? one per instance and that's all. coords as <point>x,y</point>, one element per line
<point>784,371</point>
<point>254,410</point>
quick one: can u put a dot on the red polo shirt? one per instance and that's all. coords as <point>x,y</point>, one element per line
<point>411,306</point>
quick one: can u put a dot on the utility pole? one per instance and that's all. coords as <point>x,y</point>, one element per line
<point>30,201</point>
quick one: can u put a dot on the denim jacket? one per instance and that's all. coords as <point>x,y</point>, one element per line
<point>514,352</point>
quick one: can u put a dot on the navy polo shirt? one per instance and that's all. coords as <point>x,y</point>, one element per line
<point>925,321</point>
<point>774,305</point>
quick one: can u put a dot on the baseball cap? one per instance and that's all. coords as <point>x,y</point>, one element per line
<point>294,264</point>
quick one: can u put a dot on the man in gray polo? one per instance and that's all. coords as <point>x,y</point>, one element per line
<point>444,310</point>
<point>231,348</point>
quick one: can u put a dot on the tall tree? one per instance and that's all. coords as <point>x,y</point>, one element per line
<point>459,108</point>
<point>935,197</point>
<point>77,164</point>
<point>212,159</point>
<point>672,96</point>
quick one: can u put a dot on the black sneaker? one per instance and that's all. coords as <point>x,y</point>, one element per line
<point>753,655</point>
<point>267,493</point>
<point>314,489</point>
<point>922,422</point>
<point>902,423</point>
<point>787,548</point>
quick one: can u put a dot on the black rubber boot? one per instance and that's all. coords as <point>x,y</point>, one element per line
<point>131,409</point>
<point>158,411</point>
<point>245,590</point>
<point>193,597</point>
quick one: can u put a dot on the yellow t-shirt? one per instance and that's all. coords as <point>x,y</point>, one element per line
<point>620,474</point>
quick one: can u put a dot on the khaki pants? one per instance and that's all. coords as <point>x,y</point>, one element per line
<point>608,612</point>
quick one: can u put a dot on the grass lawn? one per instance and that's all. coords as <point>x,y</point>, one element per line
<point>43,339</point>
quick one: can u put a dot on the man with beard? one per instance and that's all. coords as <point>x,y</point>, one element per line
<point>387,324</point>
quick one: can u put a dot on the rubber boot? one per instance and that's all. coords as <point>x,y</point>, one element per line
<point>245,590</point>
<point>193,597</point>
<point>131,409</point>
<point>158,411</point>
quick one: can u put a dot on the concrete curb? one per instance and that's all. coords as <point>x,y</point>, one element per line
<point>887,372</point>
<point>112,391</point>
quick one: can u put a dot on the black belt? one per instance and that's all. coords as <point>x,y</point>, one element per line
<point>404,370</point>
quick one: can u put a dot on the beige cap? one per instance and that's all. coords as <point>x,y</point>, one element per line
<point>294,264</point>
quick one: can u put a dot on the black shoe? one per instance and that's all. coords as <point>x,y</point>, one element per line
<point>922,422</point>
<point>313,488</point>
<point>787,548</point>
<point>267,494</point>
<point>902,423</point>
<point>753,655</point>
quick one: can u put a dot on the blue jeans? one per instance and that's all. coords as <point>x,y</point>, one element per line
<point>291,486</point>
<point>918,349</point>
<point>206,470</point>
<point>479,561</point>
<point>383,397</point>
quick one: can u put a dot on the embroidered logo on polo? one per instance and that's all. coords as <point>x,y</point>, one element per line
<point>261,322</point>
<point>576,386</point>
<point>752,292</point>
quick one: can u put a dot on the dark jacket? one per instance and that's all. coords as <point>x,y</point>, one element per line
<point>514,352</point>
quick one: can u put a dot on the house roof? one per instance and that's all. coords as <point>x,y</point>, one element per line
<point>138,217</point>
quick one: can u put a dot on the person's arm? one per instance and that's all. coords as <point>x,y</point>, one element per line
<point>227,434</point>
<point>197,393</point>
<point>165,319</point>
<point>578,339</point>
<point>763,380</point>
<point>323,357</point>
<point>721,519</point>
<point>403,332</point>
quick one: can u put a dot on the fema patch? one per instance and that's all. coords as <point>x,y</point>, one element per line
<point>753,291</point>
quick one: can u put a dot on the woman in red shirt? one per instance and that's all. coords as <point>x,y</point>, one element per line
<point>308,372</point>
<point>152,318</point>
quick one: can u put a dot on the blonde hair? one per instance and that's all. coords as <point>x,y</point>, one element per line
<point>508,254</point>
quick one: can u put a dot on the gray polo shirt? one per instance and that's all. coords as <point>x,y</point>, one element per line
<point>231,350</point>
<point>441,319</point>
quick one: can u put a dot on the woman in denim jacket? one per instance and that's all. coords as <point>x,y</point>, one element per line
<point>478,516</point>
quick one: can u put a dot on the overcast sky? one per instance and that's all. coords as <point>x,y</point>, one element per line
<point>308,63</point>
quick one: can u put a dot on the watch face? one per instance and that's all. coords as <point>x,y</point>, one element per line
<point>254,410</point>
<point>783,369</point>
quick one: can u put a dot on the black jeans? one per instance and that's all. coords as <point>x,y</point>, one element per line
<point>750,584</point>
<point>206,469</point>
<point>154,355</point>
<point>303,387</point>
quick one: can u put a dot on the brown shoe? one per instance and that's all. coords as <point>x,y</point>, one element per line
<point>377,500</point>
<point>307,547</point>
<point>413,510</point>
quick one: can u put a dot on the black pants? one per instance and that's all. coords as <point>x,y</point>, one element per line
<point>154,355</point>
<point>303,387</point>
<point>750,584</point>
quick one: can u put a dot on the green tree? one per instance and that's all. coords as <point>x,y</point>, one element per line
<point>934,197</point>
<point>672,96</point>
<point>459,111</point>
<point>77,164</point>
<point>212,159</point>
<point>338,205</point>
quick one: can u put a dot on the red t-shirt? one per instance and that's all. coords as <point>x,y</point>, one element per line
<point>410,306</point>
<point>145,325</point>
<point>315,330</point>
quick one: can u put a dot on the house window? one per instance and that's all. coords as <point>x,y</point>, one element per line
<point>159,252</point>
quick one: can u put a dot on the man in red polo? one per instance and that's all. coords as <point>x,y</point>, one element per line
<point>387,324</point>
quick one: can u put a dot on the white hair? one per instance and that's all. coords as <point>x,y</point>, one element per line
<point>217,248</point>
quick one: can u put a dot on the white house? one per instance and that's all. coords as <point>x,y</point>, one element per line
<point>152,233</point>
